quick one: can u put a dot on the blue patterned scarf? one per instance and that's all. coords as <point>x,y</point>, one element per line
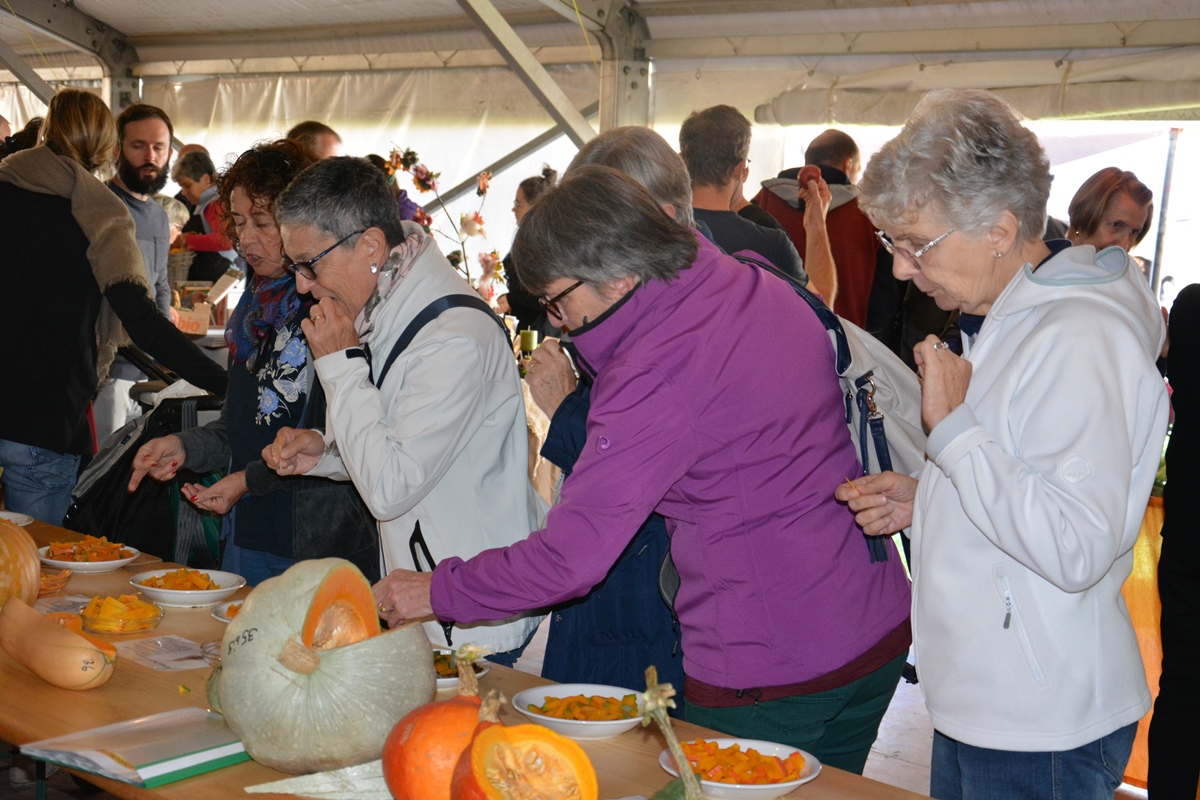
<point>266,306</point>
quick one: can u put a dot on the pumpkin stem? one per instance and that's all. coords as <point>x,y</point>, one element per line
<point>657,699</point>
<point>464,660</point>
<point>299,658</point>
<point>489,709</point>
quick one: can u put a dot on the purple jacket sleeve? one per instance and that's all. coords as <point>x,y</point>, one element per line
<point>638,446</point>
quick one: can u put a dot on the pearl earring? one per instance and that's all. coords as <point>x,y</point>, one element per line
<point>999,255</point>
<point>374,269</point>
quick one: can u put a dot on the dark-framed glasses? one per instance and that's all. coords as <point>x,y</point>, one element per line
<point>272,161</point>
<point>305,268</point>
<point>551,305</point>
<point>893,248</point>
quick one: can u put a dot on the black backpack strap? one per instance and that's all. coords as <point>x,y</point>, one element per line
<point>427,315</point>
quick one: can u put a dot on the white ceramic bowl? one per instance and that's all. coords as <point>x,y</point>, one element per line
<point>16,518</point>
<point>81,567</point>
<point>221,612</point>
<point>452,683</point>
<point>197,598</point>
<point>575,728</point>
<point>762,791</point>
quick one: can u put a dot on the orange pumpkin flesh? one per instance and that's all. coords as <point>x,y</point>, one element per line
<point>342,611</point>
<point>523,762</point>
<point>421,751</point>
<point>20,565</point>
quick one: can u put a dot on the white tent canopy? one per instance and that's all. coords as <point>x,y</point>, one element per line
<point>431,76</point>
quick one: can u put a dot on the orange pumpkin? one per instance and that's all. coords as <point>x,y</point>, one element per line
<point>20,565</point>
<point>421,751</point>
<point>522,762</point>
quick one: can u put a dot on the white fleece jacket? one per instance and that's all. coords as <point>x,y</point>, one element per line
<point>1028,509</point>
<point>443,443</point>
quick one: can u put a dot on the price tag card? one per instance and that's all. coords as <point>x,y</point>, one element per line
<point>163,653</point>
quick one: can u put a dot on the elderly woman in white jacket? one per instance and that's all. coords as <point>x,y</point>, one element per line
<point>424,398</point>
<point>1044,440</point>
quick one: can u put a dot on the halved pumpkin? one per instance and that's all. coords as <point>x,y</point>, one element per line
<point>523,762</point>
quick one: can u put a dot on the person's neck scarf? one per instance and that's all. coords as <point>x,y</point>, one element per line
<point>267,306</point>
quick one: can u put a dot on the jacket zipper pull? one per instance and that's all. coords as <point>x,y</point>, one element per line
<point>1008,607</point>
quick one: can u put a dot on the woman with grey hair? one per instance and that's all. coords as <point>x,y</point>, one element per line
<point>715,403</point>
<point>425,413</point>
<point>1044,441</point>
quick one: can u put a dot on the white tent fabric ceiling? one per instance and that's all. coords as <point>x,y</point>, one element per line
<point>785,61</point>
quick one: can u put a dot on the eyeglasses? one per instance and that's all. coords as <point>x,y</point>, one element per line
<point>892,249</point>
<point>305,268</point>
<point>272,161</point>
<point>551,305</point>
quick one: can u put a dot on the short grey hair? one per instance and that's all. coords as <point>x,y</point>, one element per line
<point>646,157</point>
<point>965,153</point>
<point>598,226</point>
<point>339,196</point>
<point>193,166</point>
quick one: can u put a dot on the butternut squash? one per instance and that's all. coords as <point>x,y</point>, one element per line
<point>55,653</point>
<point>20,565</point>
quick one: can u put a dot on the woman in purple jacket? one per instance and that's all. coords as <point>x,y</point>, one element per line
<point>714,403</point>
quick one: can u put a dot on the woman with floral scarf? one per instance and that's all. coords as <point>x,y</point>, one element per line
<point>274,521</point>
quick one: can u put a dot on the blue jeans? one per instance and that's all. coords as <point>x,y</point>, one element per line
<point>1093,771</point>
<point>253,565</point>
<point>36,481</point>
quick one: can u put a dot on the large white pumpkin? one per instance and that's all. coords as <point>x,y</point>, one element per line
<point>304,679</point>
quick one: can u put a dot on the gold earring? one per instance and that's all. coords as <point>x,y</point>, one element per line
<point>999,255</point>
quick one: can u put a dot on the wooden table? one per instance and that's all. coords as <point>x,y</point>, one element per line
<point>31,709</point>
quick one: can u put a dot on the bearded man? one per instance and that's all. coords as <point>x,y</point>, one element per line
<point>143,154</point>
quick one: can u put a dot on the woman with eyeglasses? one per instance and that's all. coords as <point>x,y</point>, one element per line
<point>425,409</point>
<point>270,523</point>
<point>75,291</point>
<point>715,403</point>
<point>1044,441</point>
<point>518,301</point>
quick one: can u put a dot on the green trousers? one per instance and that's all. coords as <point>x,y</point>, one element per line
<point>838,726</point>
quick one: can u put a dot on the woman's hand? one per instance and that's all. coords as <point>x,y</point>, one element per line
<point>294,451</point>
<point>159,458</point>
<point>882,504</point>
<point>550,376</point>
<point>944,380</point>
<point>502,306</point>
<point>220,497</point>
<point>403,595</point>
<point>329,328</point>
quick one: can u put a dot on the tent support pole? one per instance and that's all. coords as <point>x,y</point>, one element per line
<point>1156,267</point>
<point>66,23</point>
<point>506,161</point>
<point>528,69</point>
<point>24,73</point>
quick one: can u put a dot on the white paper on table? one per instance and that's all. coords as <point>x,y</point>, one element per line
<point>163,653</point>
<point>360,782</point>
<point>71,604</point>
